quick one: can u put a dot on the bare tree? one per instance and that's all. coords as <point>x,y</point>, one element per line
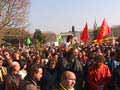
<point>14,13</point>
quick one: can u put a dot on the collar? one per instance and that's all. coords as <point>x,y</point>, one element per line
<point>65,88</point>
<point>34,82</point>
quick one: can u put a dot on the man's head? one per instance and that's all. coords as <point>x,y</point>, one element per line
<point>99,59</point>
<point>16,56</point>
<point>15,67</point>
<point>76,52</point>
<point>68,79</point>
<point>36,72</point>
<point>52,64</point>
<point>7,54</point>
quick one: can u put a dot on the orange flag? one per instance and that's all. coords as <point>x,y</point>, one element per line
<point>105,30</point>
<point>85,34</point>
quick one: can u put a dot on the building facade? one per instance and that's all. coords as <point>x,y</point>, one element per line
<point>93,34</point>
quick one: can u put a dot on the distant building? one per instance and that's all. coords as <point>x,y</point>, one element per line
<point>76,34</point>
<point>116,31</point>
<point>65,35</point>
<point>13,36</point>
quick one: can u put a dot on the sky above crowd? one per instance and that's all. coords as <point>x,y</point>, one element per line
<point>59,15</point>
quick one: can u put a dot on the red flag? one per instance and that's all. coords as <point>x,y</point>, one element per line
<point>105,30</point>
<point>85,34</point>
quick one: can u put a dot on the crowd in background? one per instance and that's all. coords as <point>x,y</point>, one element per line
<point>64,67</point>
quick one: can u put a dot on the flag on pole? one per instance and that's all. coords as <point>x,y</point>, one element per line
<point>28,41</point>
<point>85,34</point>
<point>59,39</point>
<point>105,30</point>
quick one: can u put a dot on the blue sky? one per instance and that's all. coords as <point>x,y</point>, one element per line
<point>59,15</point>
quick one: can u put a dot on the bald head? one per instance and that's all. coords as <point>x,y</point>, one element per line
<point>15,66</point>
<point>68,79</point>
<point>68,75</point>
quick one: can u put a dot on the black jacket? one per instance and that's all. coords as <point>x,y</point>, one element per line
<point>115,81</point>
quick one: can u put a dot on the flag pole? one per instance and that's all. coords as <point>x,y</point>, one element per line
<point>94,29</point>
<point>19,44</point>
<point>113,40</point>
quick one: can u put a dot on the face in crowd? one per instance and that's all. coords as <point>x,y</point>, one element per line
<point>76,52</point>
<point>17,56</point>
<point>68,79</point>
<point>38,75</point>
<point>36,72</point>
<point>7,55</point>
<point>52,64</point>
<point>15,67</point>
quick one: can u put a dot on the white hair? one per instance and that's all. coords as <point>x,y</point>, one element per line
<point>14,63</point>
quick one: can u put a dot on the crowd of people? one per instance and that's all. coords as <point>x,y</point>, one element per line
<point>64,67</point>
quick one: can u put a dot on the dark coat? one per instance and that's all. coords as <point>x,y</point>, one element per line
<point>29,85</point>
<point>115,81</point>
<point>12,82</point>
<point>58,87</point>
<point>50,78</point>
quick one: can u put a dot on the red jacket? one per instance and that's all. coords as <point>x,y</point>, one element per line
<point>99,78</point>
